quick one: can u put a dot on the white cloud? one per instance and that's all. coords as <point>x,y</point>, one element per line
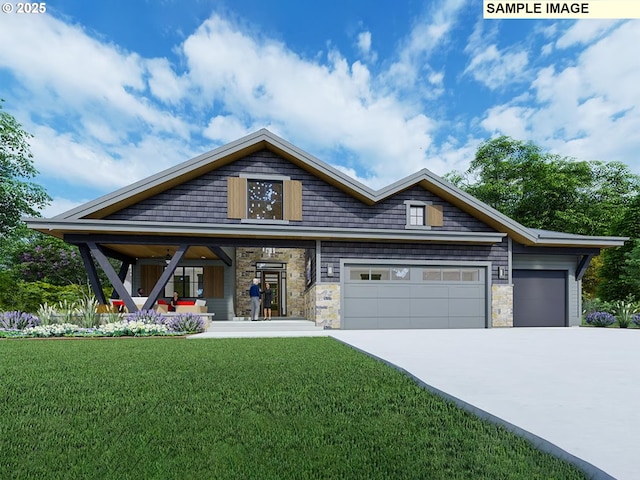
<point>589,109</point>
<point>225,128</point>
<point>491,66</point>
<point>428,34</point>
<point>163,81</point>
<point>495,68</point>
<point>315,104</point>
<point>584,32</point>
<point>364,42</point>
<point>60,205</point>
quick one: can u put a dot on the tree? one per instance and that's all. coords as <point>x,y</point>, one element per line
<point>546,191</point>
<point>18,196</point>
<point>48,259</point>
<point>620,264</point>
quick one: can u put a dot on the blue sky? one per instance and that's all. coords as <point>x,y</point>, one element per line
<point>115,91</point>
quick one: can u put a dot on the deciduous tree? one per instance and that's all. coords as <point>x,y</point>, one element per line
<point>18,196</point>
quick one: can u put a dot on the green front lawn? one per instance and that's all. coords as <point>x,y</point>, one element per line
<point>292,408</point>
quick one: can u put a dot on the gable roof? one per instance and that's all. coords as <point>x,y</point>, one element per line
<point>264,139</point>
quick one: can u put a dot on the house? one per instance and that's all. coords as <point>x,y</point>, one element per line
<point>419,253</point>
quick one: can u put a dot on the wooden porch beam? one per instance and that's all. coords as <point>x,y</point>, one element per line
<point>92,273</point>
<point>164,278</point>
<point>113,277</point>
<point>122,274</point>
<point>222,255</point>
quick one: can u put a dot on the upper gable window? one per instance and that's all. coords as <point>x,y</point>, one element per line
<point>264,199</point>
<point>423,215</point>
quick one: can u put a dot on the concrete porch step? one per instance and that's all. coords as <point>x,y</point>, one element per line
<point>244,325</point>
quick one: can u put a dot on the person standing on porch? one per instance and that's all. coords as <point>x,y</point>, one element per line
<point>268,298</point>
<point>254,294</point>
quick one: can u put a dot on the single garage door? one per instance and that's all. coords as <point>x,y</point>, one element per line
<point>539,298</point>
<point>397,296</point>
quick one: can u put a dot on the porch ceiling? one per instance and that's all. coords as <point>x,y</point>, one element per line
<point>160,251</point>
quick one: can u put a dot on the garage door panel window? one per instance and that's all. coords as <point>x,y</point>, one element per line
<point>380,274</point>
<point>402,274</point>
<point>451,274</point>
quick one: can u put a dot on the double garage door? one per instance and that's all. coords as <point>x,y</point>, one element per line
<point>399,296</point>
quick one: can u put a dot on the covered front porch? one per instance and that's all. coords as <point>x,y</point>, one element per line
<point>208,270</point>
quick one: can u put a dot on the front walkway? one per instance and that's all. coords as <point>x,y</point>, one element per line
<point>277,327</point>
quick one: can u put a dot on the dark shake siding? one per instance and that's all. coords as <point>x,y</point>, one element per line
<point>333,252</point>
<point>204,200</point>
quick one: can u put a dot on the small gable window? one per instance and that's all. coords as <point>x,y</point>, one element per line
<point>416,215</point>
<point>423,215</point>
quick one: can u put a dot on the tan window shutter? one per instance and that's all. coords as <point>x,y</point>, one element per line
<point>214,282</point>
<point>434,215</point>
<point>149,276</point>
<point>236,197</point>
<point>292,200</point>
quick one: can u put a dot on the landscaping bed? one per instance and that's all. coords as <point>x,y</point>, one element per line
<point>140,324</point>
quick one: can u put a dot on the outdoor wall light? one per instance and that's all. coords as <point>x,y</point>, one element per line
<point>167,258</point>
<point>502,273</point>
<point>329,270</point>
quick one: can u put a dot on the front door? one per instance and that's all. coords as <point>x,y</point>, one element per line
<point>273,279</point>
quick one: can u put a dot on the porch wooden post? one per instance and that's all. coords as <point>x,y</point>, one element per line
<point>164,278</point>
<point>92,273</point>
<point>221,254</point>
<point>118,285</point>
<point>122,274</point>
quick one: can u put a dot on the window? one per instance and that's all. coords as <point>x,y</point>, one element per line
<point>380,273</point>
<point>423,215</point>
<point>187,281</point>
<point>272,198</point>
<point>416,215</point>
<point>264,199</point>
<point>436,274</point>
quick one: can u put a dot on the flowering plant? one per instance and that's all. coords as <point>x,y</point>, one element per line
<point>600,319</point>
<point>186,322</point>
<point>636,319</point>
<point>56,330</point>
<point>18,320</point>
<point>131,328</point>
<point>146,316</point>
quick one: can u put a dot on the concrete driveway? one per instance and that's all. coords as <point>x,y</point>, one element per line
<point>574,391</point>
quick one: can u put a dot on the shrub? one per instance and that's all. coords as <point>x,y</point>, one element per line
<point>600,319</point>
<point>87,312</point>
<point>591,305</point>
<point>18,320</point>
<point>636,319</point>
<point>624,312</point>
<point>147,316</point>
<point>28,296</point>
<point>47,314</point>
<point>186,322</point>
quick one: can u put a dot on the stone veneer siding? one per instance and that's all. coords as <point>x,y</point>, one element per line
<point>246,259</point>
<point>502,305</point>
<point>322,305</point>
